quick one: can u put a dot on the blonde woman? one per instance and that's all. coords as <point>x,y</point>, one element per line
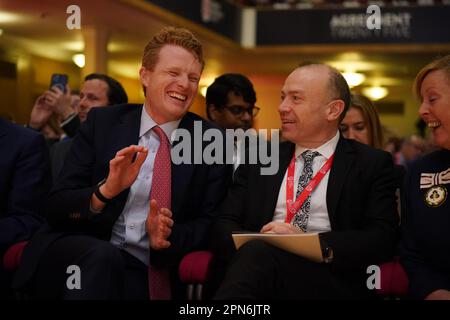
<point>362,122</point>
<point>426,204</point>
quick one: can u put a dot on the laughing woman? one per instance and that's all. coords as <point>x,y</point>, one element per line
<point>426,216</point>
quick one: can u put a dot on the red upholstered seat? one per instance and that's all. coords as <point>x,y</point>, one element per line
<point>194,267</point>
<point>394,281</point>
<point>12,257</point>
<point>194,271</point>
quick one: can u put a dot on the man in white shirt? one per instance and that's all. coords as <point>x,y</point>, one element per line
<point>352,205</point>
<point>132,213</point>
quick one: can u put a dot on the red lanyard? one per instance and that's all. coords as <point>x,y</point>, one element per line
<point>292,208</point>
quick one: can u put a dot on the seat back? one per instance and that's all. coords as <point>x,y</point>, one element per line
<point>194,267</point>
<point>12,257</point>
<point>394,281</point>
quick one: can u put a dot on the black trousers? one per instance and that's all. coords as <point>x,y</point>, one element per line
<point>106,272</point>
<point>262,271</point>
<point>6,292</point>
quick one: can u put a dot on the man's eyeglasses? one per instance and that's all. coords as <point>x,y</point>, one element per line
<point>239,110</point>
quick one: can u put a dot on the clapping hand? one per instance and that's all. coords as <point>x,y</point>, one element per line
<point>159,226</point>
<point>123,171</point>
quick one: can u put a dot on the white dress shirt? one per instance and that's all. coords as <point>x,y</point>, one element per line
<point>129,232</point>
<point>318,213</point>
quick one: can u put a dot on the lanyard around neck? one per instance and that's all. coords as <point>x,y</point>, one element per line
<point>292,208</point>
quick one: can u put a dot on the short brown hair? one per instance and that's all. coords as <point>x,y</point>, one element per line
<point>371,119</point>
<point>175,36</point>
<point>338,87</point>
<point>442,63</point>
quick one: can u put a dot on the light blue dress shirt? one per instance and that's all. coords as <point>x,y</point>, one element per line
<point>129,233</point>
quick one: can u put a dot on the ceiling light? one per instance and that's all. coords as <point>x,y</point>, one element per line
<point>125,69</point>
<point>205,82</point>
<point>6,17</point>
<point>203,90</point>
<point>72,45</point>
<point>79,60</point>
<point>375,93</point>
<point>353,78</point>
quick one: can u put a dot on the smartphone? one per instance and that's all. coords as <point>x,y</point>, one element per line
<point>60,81</point>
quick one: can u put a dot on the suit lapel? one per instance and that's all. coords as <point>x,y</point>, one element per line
<point>181,173</point>
<point>343,159</point>
<point>274,182</point>
<point>3,125</point>
<point>126,132</point>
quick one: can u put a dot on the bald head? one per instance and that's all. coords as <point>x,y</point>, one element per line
<point>336,87</point>
<point>314,98</point>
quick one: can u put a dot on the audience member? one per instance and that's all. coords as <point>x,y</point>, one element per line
<point>24,183</point>
<point>426,207</point>
<point>393,145</point>
<point>230,102</point>
<point>413,147</point>
<point>362,122</point>
<point>56,104</point>
<point>133,214</point>
<point>352,207</point>
<point>98,90</point>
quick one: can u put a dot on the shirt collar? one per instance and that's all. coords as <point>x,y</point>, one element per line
<point>147,123</point>
<point>326,150</point>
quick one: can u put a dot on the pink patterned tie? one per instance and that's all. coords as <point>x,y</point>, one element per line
<point>159,279</point>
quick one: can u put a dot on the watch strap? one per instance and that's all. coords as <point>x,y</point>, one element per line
<point>99,195</point>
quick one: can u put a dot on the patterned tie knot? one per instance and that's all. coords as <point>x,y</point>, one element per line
<point>309,155</point>
<point>161,135</point>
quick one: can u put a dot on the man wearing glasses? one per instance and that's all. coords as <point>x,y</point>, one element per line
<point>230,102</point>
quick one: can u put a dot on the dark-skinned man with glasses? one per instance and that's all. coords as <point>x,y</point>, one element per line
<point>230,102</point>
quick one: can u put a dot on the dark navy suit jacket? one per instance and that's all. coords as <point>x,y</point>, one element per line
<point>197,189</point>
<point>24,182</point>
<point>360,201</point>
<point>425,247</point>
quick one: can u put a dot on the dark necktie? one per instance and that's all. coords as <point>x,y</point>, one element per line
<point>159,278</point>
<point>301,217</point>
